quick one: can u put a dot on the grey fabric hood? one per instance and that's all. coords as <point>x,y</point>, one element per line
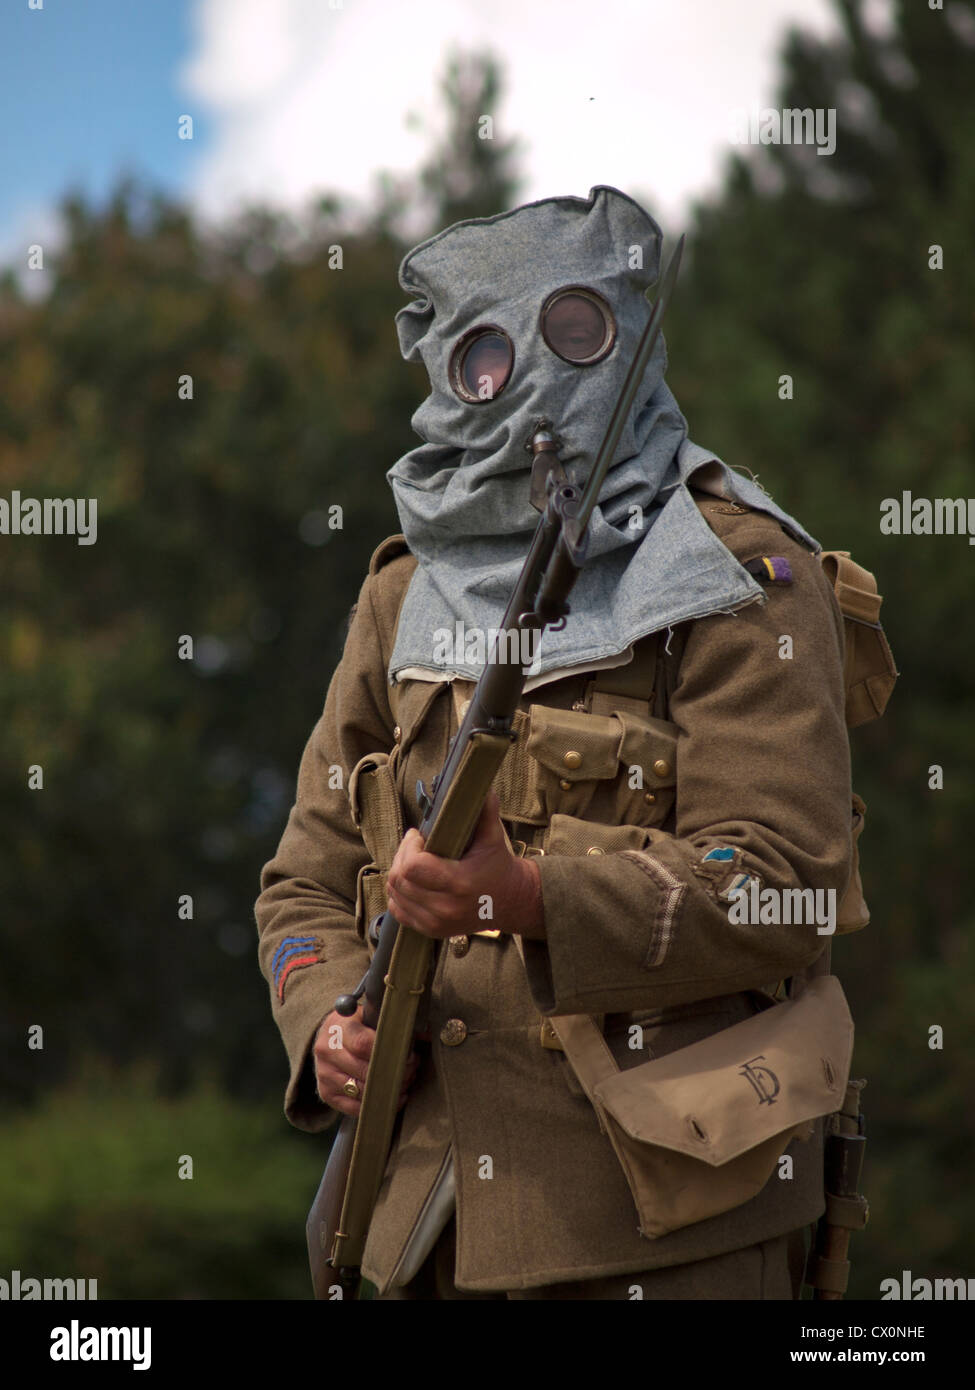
<point>462,496</point>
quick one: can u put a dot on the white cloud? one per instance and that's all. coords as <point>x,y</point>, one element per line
<point>33,224</point>
<point>306,98</point>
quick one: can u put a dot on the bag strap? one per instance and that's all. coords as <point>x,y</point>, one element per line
<point>855,588</point>
<point>629,688</point>
<point>583,1044</point>
<point>869,670</point>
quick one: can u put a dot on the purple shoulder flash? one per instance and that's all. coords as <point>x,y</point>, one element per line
<point>770,569</point>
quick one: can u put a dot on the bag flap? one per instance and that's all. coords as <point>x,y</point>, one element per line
<point>651,745</point>
<point>724,1095</point>
<point>585,747</point>
<point>579,747</point>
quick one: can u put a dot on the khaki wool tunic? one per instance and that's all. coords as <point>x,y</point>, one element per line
<point>756,758</point>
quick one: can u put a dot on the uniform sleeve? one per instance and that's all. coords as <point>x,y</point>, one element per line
<point>763,794</point>
<point>309,950</point>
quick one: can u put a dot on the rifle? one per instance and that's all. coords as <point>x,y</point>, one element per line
<point>340,1215</point>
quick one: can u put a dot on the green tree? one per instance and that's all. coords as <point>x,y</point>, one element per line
<point>232,401</point>
<point>820,269</point>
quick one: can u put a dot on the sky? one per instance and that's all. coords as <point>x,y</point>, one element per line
<point>291,99</point>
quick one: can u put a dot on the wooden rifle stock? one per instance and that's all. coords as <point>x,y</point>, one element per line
<point>323,1218</point>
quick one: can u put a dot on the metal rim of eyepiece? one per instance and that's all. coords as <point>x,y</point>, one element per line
<point>573,330</point>
<point>483,351</point>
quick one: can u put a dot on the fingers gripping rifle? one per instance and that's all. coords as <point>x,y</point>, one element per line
<point>339,1219</point>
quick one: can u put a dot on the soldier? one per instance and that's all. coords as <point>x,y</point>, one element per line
<point>681,748</point>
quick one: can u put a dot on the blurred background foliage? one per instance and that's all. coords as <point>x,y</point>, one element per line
<point>165,777</point>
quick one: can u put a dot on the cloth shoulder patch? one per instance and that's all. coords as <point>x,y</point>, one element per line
<point>770,569</point>
<point>724,873</point>
<point>293,953</point>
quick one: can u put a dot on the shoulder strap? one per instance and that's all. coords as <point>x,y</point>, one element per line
<point>855,588</point>
<point>629,688</point>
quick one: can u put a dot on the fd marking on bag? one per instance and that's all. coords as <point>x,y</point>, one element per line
<point>754,1075</point>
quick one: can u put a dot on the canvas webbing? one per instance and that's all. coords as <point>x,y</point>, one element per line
<point>376,809</point>
<point>855,587</point>
<point>869,671</point>
<point>584,1045</point>
<point>629,688</point>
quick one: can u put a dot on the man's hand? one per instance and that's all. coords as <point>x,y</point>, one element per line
<point>488,887</point>
<point>341,1050</point>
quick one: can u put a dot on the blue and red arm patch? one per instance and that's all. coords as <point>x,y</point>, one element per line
<point>292,954</point>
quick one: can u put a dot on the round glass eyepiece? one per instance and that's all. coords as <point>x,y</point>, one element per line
<point>481,363</point>
<point>578,325</point>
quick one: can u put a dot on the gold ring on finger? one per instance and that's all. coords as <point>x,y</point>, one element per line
<point>351,1089</point>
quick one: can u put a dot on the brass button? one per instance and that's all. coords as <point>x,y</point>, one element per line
<point>460,945</point>
<point>396,733</point>
<point>565,784</point>
<point>649,798</point>
<point>662,767</point>
<point>453,1032</point>
<point>573,759</point>
<point>594,849</point>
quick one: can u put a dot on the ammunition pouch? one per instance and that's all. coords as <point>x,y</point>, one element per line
<point>612,768</point>
<point>378,817</point>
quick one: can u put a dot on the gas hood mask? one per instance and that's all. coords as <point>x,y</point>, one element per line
<point>536,313</point>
